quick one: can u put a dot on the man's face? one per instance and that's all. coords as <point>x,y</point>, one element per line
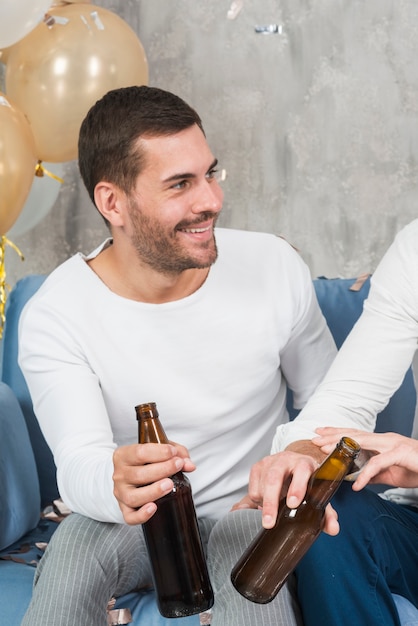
<point>176,202</point>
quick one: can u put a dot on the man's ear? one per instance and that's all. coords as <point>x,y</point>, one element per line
<point>110,202</point>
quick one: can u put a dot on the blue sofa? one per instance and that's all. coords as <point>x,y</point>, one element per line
<point>27,470</point>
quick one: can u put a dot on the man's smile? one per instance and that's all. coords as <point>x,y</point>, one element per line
<point>196,230</point>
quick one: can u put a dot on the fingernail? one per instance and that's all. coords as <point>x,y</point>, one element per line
<point>166,485</point>
<point>292,502</point>
<point>267,520</point>
<point>178,463</point>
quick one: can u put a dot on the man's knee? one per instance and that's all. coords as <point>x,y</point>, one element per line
<point>229,538</point>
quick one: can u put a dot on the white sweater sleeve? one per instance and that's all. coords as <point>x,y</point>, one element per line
<point>373,361</point>
<point>62,384</point>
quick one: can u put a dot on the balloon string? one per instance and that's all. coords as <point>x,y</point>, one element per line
<point>40,171</point>
<point>4,287</point>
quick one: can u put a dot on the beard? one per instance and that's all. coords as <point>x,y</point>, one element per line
<point>161,249</point>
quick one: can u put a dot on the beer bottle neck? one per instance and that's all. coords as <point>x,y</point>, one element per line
<point>329,475</point>
<point>150,429</point>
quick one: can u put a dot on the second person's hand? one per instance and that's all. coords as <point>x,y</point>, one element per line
<point>287,474</point>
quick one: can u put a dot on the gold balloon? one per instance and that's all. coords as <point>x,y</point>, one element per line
<point>17,162</point>
<point>57,72</point>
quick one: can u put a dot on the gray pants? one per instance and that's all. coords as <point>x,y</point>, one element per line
<point>88,562</point>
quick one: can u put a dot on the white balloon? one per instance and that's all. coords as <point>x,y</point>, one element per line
<point>19,17</point>
<point>41,198</point>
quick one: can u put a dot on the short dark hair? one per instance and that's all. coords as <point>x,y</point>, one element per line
<point>107,147</point>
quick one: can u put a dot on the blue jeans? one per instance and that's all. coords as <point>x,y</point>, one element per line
<point>349,579</point>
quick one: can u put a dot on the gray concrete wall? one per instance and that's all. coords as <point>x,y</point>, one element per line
<point>316,124</point>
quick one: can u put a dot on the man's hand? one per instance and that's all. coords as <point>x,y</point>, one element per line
<point>394,459</point>
<point>285,472</point>
<point>142,475</point>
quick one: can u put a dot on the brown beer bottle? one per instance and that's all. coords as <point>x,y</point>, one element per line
<point>274,553</point>
<point>172,537</point>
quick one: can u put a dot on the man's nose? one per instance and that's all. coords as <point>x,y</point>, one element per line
<point>209,197</point>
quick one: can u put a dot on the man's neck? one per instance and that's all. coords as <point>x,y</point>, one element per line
<point>130,279</point>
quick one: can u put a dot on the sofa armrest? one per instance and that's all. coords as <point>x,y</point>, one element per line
<point>20,501</point>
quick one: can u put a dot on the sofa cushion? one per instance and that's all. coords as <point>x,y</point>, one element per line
<point>16,583</point>
<point>20,501</point>
<point>341,301</point>
<point>12,375</point>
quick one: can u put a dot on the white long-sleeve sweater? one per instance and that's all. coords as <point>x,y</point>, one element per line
<point>373,361</point>
<point>213,362</point>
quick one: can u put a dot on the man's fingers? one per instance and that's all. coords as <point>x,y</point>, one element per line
<point>301,475</point>
<point>144,453</point>
<point>138,516</point>
<point>138,504</point>
<point>244,503</point>
<point>271,477</point>
<point>331,525</point>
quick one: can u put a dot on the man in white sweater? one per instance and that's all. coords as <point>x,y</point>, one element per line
<point>211,324</point>
<point>351,578</point>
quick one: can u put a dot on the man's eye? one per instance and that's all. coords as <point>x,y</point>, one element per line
<point>180,185</point>
<point>218,175</point>
<point>212,174</point>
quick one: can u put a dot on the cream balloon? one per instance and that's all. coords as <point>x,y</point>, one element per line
<point>42,196</point>
<point>19,17</point>
<point>58,72</point>
<point>17,162</point>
